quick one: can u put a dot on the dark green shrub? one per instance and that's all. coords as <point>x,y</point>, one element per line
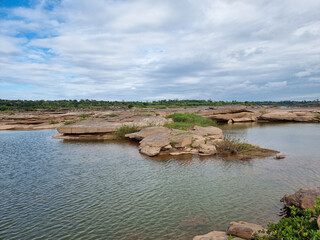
<point>184,121</point>
<point>125,129</point>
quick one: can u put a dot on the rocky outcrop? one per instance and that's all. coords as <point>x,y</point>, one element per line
<point>215,235</point>
<point>199,140</point>
<point>289,116</point>
<point>244,229</point>
<point>318,222</point>
<point>305,198</point>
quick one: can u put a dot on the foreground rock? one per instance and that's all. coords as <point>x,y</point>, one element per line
<point>215,235</point>
<point>244,229</point>
<point>305,198</point>
<point>199,140</point>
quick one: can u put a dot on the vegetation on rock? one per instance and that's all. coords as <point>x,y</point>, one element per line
<point>125,129</point>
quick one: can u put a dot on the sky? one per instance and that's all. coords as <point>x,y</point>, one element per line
<point>145,50</point>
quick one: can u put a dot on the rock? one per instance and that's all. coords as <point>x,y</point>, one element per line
<point>152,144</point>
<point>151,121</point>
<point>244,229</point>
<point>318,222</point>
<point>305,198</point>
<point>279,156</point>
<point>145,132</point>
<point>230,121</point>
<point>244,119</point>
<point>215,235</point>
<point>212,132</point>
<point>207,149</point>
<point>288,116</point>
<point>181,141</point>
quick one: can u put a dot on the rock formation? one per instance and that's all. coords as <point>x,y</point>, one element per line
<point>305,198</point>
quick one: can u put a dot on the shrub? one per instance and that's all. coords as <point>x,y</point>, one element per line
<point>53,121</point>
<point>125,129</point>
<point>184,121</point>
<point>302,224</point>
<point>144,115</point>
<point>317,116</point>
<point>84,116</point>
<point>234,146</point>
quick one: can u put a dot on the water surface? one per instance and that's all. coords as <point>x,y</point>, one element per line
<point>53,189</point>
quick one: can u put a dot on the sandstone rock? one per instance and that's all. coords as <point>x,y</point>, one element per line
<point>145,132</point>
<point>318,222</point>
<point>305,198</point>
<point>279,156</point>
<point>244,229</point>
<point>207,149</point>
<point>181,141</point>
<point>244,119</point>
<point>212,132</point>
<point>152,144</point>
<point>151,121</point>
<point>215,235</point>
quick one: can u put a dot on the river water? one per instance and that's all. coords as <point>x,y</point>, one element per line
<point>53,189</point>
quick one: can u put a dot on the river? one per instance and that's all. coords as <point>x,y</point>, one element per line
<point>55,189</point>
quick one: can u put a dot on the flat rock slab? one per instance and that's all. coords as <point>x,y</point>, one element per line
<point>90,126</point>
<point>305,198</point>
<point>214,235</point>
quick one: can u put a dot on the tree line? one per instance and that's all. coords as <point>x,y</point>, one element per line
<point>6,105</point>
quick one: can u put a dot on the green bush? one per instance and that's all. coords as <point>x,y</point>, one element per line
<point>234,146</point>
<point>84,116</point>
<point>125,129</point>
<point>53,121</point>
<point>68,122</point>
<point>184,121</point>
<point>109,115</point>
<point>302,224</point>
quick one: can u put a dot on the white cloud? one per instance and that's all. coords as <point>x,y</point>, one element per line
<point>141,49</point>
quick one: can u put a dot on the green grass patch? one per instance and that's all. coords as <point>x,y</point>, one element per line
<point>185,121</point>
<point>263,111</point>
<point>109,115</point>
<point>144,115</point>
<point>68,122</point>
<point>53,121</point>
<point>317,116</point>
<point>125,129</point>
<point>84,116</point>
<point>234,146</point>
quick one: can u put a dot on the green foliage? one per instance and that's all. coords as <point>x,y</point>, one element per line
<point>300,225</point>
<point>125,129</point>
<point>68,122</point>
<point>144,115</point>
<point>109,115</point>
<point>234,146</point>
<point>263,111</point>
<point>184,121</point>
<point>84,116</point>
<point>317,116</point>
<point>53,121</point>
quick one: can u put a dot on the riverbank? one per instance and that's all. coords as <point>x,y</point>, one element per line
<point>52,119</point>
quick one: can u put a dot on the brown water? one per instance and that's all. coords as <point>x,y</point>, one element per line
<point>52,189</point>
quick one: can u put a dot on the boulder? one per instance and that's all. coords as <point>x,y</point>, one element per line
<point>211,132</point>
<point>244,229</point>
<point>279,156</point>
<point>181,141</point>
<point>207,149</point>
<point>215,235</point>
<point>145,132</point>
<point>152,144</point>
<point>151,121</point>
<point>305,198</point>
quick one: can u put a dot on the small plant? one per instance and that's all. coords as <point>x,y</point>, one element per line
<point>263,111</point>
<point>157,114</point>
<point>317,116</point>
<point>302,224</point>
<point>68,122</point>
<point>109,115</point>
<point>125,129</point>
<point>11,113</point>
<point>53,121</point>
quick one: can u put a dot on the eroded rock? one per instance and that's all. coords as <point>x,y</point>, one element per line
<point>145,132</point>
<point>214,235</point>
<point>152,144</point>
<point>305,198</point>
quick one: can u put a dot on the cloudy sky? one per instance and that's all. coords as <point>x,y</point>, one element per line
<point>169,49</point>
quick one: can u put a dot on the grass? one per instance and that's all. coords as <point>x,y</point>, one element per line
<point>184,121</point>
<point>317,116</point>
<point>84,116</point>
<point>234,146</point>
<point>144,115</point>
<point>125,129</point>
<point>109,115</point>
<point>263,111</point>
<point>53,121</point>
<point>68,122</point>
